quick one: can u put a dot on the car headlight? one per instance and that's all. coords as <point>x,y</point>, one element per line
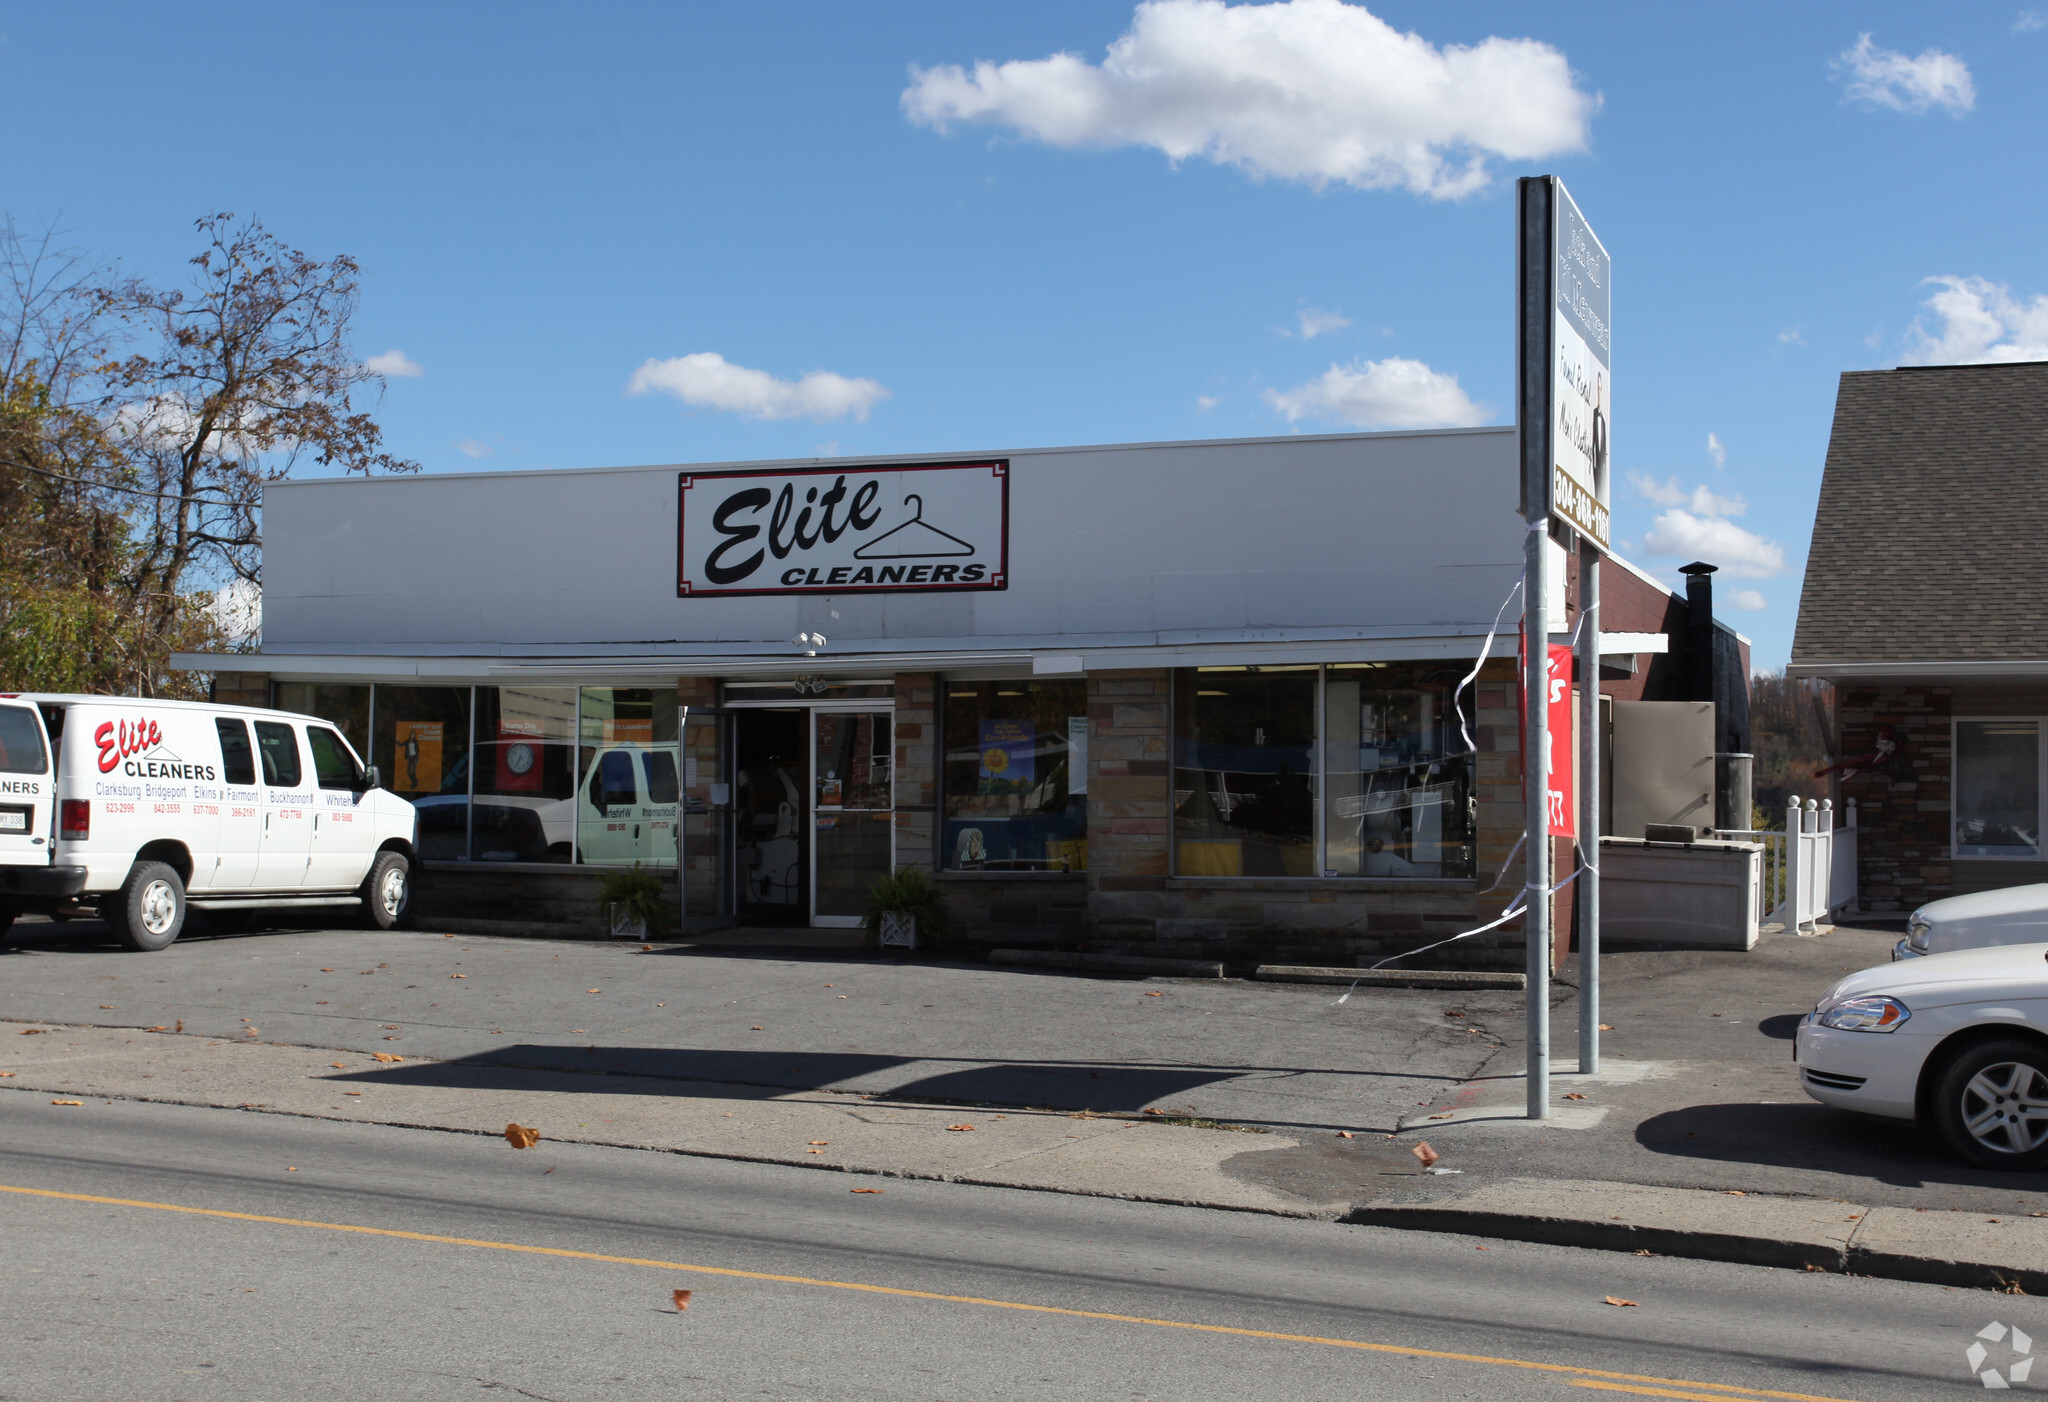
<point>1917,929</point>
<point>1866,1014</point>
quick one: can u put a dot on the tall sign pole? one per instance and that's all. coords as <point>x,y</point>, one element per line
<point>1563,379</point>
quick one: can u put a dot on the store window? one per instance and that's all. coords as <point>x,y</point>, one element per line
<point>524,807</point>
<point>1016,776</point>
<point>347,708</point>
<point>421,750</point>
<point>1998,788</point>
<point>1399,780</point>
<point>1244,797</point>
<point>628,788</point>
<point>1355,770</point>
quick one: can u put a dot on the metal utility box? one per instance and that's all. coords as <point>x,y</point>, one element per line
<point>1705,895</point>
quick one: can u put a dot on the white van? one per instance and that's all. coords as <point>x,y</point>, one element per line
<point>141,808</point>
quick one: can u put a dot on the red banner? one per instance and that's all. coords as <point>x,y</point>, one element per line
<point>1561,785</point>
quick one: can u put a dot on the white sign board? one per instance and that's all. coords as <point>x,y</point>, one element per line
<point>909,528</point>
<point>1581,372</point>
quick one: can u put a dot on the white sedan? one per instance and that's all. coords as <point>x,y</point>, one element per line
<point>1957,1041</point>
<point>2011,915</point>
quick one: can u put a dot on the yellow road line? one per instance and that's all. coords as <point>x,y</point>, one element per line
<point>1718,1391</point>
<point>1640,1391</point>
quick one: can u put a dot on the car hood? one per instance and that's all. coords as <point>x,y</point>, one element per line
<point>2004,905</point>
<point>1961,976</point>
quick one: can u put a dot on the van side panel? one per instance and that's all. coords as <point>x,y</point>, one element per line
<point>151,774</point>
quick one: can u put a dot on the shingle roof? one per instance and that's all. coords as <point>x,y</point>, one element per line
<point>1931,541</point>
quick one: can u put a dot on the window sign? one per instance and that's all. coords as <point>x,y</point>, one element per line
<point>909,528</point>
<point>1016,787</point>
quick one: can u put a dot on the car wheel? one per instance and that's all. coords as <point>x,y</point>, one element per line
<point>1991,1105</point>
<point>387,892</point>
<point>149,909</point>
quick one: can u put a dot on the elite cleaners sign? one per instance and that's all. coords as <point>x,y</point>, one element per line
<point>907,528</point>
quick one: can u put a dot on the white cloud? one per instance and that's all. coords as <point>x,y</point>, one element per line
<point>237,607</point>
<point>1390,393</point>
<point>1718,542</point>
<point>1748,600</point>
<point>1316,322</point>
<point>1981,321</point>
<point>707,380</point>
<point>473,448</point>
<point>1700,501</point>
<point>1716,451</point>
<point>1792,336</point>
<point>394,362</point>
<point>1205,402</point>
<point>2027,21</point>
<point>1309,90</point>
<point>1887,78</point>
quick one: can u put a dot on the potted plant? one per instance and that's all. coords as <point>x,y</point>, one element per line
<point>905,910</point>
<point>634,904</point>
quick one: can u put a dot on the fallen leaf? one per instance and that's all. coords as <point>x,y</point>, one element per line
<point>67,1102</point>
<point>814,1151</point>
<point>867,1190</point>
<point>1606,1027</point>
<point>1737,1193</point>
<point>593,990</point>
<point>646,949</point>
<point>4,1074</point>
<point>458,975</point>
<point>180,1027</point>
<point>757,1028</point>
<point>158,1028</point>
<point>351,1092</point>
<point>1482,1248</point>
<point>957,1128</point>
<point>291,1170</point>
<point>578,1032</point>
<point>831,985</point>
<point>34,1032</point>
<point>1574,1095</point>
<point>1428,1155</point>
<point>250,1032</point>
<point>337,1066</point>
<point>1812,1267</point>
<point>1646,1253</point>
<point>327,971</point>
<point>682,1299</point>
<point>1149,1111</point>
<point>1155,995</point>
<point>842,995</point>
<point>385,1056</point>
<point>521,1137</point>
<point>447,937</point>
<point>1345,1134</point>
<point>821,1142</point>
<point>106,1007</point>
<point>1618,1301</point>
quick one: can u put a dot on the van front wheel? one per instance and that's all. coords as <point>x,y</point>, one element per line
<point>149,909</point>
<point>387,893</point>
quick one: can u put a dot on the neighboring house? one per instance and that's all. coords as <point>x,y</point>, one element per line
<point>1926,604</point>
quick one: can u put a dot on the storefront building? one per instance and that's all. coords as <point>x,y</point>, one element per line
<point>1922,604</point>
<point>1191,696</point>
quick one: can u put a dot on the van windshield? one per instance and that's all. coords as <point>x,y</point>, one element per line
<point>21,742</point>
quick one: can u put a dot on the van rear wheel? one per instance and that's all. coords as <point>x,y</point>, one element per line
<point>387,893</point>
<point>149,910</point>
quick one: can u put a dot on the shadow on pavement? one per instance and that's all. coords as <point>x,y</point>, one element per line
<point>1816,1137</point>
<point>1065,1086</point>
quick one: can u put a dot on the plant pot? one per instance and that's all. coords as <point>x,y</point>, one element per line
<point>899,930</point>
<point>625,925</point>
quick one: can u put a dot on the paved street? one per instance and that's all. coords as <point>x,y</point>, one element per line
<point>119,1299</point>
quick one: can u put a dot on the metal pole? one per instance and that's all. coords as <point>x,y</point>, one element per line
<point>1536,236</point>
<point>1589,807</point>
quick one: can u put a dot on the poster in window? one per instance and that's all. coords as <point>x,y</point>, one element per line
<point>419,757</point>
<point>1006,755</point>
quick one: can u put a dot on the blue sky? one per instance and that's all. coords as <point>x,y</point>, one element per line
<point>667,233</point>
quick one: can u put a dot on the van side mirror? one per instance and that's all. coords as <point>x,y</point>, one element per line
<point>371,778</point>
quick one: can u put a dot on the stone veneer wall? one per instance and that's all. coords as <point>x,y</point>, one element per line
<point>917,768</point>
<point>241,688</point>
<point>1902,810</point>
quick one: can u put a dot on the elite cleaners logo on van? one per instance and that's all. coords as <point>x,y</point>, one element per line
<point>908,528</point>
<point>119,740</point>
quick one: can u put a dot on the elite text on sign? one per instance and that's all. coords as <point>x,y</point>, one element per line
<point>844,530</point>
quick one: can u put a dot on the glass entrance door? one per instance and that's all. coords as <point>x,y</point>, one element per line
<point>853,800</point>
<point>771,816</point>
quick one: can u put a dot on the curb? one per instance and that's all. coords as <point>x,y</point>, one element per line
<point>1107,963</point>
<point>1392,978</point>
